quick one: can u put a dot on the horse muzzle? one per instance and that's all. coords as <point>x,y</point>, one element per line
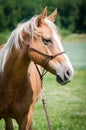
<point>65,76</point>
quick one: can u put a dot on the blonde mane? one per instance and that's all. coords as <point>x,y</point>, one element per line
<point>13,39</point>
<point>29,28</point>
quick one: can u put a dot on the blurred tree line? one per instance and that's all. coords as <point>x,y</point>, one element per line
<point>71,13</point>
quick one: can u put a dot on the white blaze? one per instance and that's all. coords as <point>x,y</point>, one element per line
<point>68,63</point>
<point>58,40</point>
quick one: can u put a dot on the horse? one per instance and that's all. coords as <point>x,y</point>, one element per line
<point>34,41</point>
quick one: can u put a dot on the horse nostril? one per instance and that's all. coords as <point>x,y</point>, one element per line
<point>67,74</point>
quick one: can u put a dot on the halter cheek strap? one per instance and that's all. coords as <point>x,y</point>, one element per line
<point>43,54</point>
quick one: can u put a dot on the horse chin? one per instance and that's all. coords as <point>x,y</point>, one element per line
<point>61,81</point>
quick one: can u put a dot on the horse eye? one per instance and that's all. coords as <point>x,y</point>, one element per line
<point>46,41</point>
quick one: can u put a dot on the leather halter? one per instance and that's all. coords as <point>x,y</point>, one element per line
<point>50,57</point>
<point>43,54</point>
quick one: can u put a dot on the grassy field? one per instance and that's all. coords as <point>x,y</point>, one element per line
<point>76,53</point>
<point>66,105</point>
<point>75,38</point>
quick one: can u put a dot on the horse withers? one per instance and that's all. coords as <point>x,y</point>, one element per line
<point>36,40</point>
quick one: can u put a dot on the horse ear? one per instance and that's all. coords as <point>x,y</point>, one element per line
<point>41,17</point>
<point>52,16</point>
<point>44,13</point>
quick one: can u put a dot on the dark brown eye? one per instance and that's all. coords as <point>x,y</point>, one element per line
<point>46,41</point>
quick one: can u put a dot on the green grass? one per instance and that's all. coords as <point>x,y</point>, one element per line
<point>66,104</point>
<point>75,38</point>
<point>76,53</point>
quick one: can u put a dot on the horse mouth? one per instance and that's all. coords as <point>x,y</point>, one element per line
<point>61,81</point>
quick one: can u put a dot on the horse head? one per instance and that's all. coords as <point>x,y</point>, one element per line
<point>45,48</point>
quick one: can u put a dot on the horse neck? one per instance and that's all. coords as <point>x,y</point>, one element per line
<point>17,65</point>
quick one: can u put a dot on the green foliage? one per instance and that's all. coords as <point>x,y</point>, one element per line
<point>64,32</point>
<point>71,14</point>
<point>4,36</point>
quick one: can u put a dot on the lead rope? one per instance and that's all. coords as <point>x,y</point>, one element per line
<point>43,95</point>
<point>46,112</point>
